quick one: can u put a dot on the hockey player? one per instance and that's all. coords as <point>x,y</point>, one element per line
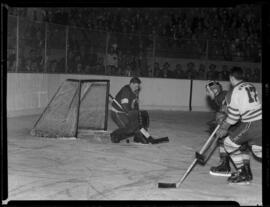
<point>127,116</point>
<point>244,107</point>
<point>216,93</point>
<point>220,97</point>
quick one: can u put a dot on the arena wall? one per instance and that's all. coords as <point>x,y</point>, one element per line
<point>29,93</point>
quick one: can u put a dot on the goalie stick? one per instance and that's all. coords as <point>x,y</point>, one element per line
<point>201,153</point>
<point>150,139</point>
<point>116,102</point>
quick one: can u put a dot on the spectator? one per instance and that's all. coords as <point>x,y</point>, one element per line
<point>171,72</point>
<point>179,73</point>
<point>52,66</point>
<point>248,75</point>
<point>99,68</point>
<point>165,70</point>
<point>71,61</point>
<point>11,60</point>
<point>176,24</point>
<point>112,60</point>
<point>212,73</point>
<point>28,65</point>
<point>79,69</point>
<point>191,73</point>
<point>61,65</point>
<point>201,73</point>
<point>77,63</point>
<point>157,70</point>
<point>224,73</point>
<point>128,71</point>
<point>89,70</point>
<point>256,75</point>
<point>93,58</point>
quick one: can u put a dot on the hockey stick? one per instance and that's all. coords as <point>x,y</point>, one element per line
<point>202,151</point>
<point>116,102</point>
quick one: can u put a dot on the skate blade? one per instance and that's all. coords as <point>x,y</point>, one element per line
<point>220,174</point>
<point>138,143</point>
<point>241,183</point>
<point>132,144</point>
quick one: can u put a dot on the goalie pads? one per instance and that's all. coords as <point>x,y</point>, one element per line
<point>144,119</point>
<point>138,119</point>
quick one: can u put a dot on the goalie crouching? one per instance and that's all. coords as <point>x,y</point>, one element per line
<point>130,120</point>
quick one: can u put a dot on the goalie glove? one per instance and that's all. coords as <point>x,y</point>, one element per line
<point>223,130</point>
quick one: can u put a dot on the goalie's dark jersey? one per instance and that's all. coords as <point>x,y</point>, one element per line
<point>220,101</point>
<point>127,99</point>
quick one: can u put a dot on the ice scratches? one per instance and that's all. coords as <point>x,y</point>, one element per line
<point>38,185</point>
<point>64,192</point>
<point>204,195</point>
<point>145,180</point>
<point>23,173</point>
<point>90,185</point>
<point>45,172</point>
<point>14,145</point>
<point>88,195</point>
<point>21,188</point>
<point>120,157</point>
<point>163,160</point>
<point>115,176</point>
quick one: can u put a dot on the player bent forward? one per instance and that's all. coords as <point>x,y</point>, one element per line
<point>127,116</point>
<point>243,106</point>
<point>216,93</point>
<point>220,97</point>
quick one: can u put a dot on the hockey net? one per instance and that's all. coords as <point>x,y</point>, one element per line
<point>78,105</point>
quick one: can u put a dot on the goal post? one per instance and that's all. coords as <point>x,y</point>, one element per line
<point>77,105</point>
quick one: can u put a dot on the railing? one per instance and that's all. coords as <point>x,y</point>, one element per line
<point>51,48</point>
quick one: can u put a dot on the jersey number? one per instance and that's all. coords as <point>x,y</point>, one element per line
<point>252,96</point>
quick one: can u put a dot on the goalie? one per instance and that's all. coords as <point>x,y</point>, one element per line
<point>221,98</point>
<point>215,92</point>
<point>130,120</point>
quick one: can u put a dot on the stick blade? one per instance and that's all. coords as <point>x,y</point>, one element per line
<point>159,140</point>
<point>166,185</point>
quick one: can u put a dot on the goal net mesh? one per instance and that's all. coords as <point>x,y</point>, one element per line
<point>77,105</point>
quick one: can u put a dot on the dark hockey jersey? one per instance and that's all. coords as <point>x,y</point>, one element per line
<point>127,99</point>
<point>220,101</point>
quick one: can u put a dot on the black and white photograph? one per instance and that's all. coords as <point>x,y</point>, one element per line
<point>134,103</point>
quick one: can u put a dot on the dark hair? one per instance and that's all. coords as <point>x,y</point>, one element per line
<point>135,80</point>
<point>237,73</point>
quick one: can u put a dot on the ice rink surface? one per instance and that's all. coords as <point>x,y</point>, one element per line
<point>92,168</point>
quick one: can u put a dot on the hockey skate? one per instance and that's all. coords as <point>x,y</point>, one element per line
<point>115,139</point>
<point>139,138</point>
<point>242,176</point>
<point>223,169</point>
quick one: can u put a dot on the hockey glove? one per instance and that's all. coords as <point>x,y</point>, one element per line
<point>220,117</point>
<point>223,130</point>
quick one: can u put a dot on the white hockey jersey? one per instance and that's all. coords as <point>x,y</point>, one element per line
<point>244,104</point>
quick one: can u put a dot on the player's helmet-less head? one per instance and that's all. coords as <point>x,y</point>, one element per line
<point>214,87</point>
<point>135,85</point>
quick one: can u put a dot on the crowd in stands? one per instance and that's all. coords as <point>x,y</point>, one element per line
<point>233,34</point>
<point>238,27</point>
